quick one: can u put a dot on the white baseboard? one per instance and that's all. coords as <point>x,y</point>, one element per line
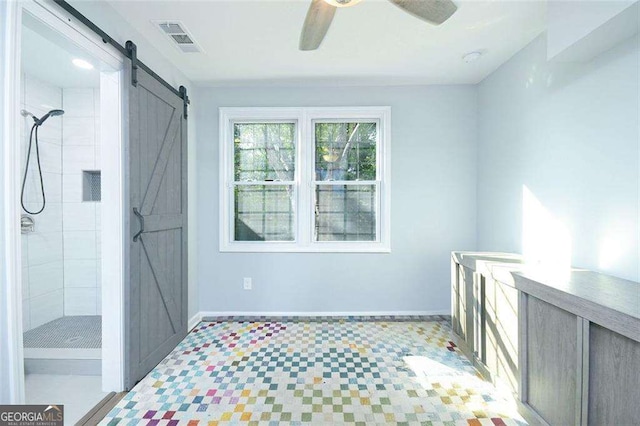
<point>194,320</point>
<point>203,314</point>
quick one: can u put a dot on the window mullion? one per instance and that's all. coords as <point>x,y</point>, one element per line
<point>304,178</point>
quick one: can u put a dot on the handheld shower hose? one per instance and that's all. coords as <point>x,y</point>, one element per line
<point>34,132</point>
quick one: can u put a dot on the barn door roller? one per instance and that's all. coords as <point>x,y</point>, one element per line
<point>185,101</point>
<point>132,51</point>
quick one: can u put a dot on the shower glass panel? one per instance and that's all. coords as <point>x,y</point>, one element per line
<point>61,266</point>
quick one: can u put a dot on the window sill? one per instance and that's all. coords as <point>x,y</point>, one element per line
<point>293,248</point>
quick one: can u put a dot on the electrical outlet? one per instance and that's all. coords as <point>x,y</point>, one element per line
<point>246,284</point>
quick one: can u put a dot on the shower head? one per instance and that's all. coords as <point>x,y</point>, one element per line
<point>52,113</point>
<point>39,121</point>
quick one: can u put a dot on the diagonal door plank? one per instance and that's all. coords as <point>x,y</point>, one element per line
<point>161,164</point>
<point>156,279</point>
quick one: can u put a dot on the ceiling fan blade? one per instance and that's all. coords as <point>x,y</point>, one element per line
<point>316,24</point>
<point>433,11</point>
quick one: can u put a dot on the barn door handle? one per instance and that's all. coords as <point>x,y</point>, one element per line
<point>141,219</point>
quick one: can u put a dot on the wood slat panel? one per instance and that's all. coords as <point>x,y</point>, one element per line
<point>552,359</point>
<point>156,293</point>
<point>614,378</point>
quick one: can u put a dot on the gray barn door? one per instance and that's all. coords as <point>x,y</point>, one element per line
<point>156,294</point>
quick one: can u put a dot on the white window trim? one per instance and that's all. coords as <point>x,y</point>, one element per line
<point>304,222</point>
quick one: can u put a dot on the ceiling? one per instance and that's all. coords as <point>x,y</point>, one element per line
<point>374,42</point>
<point>47,55</point>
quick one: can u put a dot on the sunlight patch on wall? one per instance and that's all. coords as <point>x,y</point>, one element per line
<point>613,248</point>
<point>546,241</point>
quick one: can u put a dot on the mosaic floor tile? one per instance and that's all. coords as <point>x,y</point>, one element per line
<point>317,372</point>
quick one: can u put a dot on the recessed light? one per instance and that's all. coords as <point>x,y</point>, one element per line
<point>81,63</point>
<point>472,56</point>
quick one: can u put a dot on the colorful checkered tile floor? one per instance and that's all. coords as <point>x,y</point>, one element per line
<point>316,372</point>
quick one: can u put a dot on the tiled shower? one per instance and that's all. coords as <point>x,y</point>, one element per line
<point>61,265</point>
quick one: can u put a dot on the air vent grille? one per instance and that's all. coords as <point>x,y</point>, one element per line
<point>179,35</point>
<point>171,28</point>
<point>182,38</point>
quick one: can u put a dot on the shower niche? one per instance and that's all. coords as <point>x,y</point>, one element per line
<point>91,185</point>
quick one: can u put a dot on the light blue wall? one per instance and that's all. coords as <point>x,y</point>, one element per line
<point>569,132</point>
<point>433,174</point>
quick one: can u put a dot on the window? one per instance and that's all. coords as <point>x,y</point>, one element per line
<point>304,179</point>
<point>264,163</point>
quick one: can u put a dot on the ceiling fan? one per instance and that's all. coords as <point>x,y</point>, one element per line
<point>321,13</point>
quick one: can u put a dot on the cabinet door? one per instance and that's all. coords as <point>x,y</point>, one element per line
<point>501,328</point>
<point>491,341</point>
<point>614,378</point>
<point>552,366</point>
<point>465,281</point>
<point>455,297</point>
<point>506,305</point>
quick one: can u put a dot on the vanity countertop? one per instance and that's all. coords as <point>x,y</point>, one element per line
<point>606,300</point>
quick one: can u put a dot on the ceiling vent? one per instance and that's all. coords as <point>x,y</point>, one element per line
<point>178,34</point>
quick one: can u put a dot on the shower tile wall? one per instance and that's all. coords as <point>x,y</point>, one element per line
<point>81,219</point>
<point>61,259</point>
<point>42,252</point>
